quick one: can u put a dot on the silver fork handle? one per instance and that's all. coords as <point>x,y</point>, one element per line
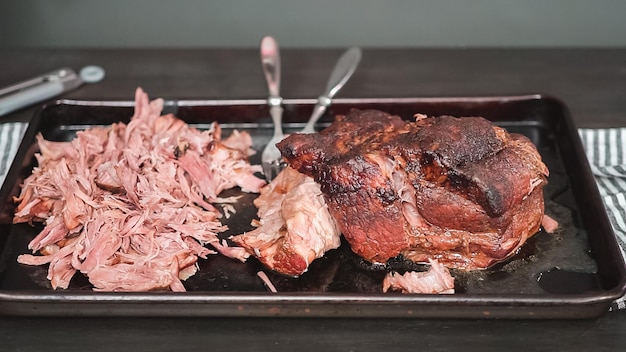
<point>270,61</point>
<point>319,109</point>
<point>277,111</point>
<point>343,70</point>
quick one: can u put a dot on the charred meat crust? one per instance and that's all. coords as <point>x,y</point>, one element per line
<point>440,187</point>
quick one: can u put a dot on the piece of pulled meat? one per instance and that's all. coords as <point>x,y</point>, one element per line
<point>294,226</point>
<point>549,224</point>
<point>437,280</point>
<point>131,206</point>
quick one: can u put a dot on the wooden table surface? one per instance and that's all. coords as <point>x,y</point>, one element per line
<point>591,82</point>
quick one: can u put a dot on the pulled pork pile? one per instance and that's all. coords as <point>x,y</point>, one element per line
<point>131,206</point>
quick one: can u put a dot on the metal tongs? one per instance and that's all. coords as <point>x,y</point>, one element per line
<point>46,86</point>
<point>271,158</point>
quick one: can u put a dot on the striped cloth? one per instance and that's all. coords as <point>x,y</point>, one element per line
<point>605,148</point>
<point>606,152</point>
<point>10,137</point>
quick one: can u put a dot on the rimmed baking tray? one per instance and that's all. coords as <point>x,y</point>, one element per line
<point>574,273</point>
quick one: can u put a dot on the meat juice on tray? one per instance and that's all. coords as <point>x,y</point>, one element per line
<point>451,192</point>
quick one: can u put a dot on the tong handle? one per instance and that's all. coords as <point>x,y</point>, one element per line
<point>29,96</point>
<point>37,89</point>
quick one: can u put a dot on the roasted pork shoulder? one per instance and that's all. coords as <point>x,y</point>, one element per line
<point>458,190</point>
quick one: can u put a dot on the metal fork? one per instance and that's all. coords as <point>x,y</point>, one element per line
<point>344,68</point>
<point>270,60</point>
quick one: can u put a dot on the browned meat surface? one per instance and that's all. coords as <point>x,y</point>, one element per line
<point>132,205</point>
<point>458,190</point>
<point>294,226</point>
<point>436,280</point>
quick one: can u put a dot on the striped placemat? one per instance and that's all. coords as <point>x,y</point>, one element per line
<point>10,137</point>
<point>606,152</point>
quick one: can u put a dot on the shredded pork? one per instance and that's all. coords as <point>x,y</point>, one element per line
<point>132,206</point>
<point>549,224</point>
<point>294,226</point>
<point>266,281</point>
<point>437,280</point>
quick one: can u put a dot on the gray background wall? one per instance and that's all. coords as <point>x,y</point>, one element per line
<point>312,23</point>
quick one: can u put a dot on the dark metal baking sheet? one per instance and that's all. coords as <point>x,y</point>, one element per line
<point>575,273</point>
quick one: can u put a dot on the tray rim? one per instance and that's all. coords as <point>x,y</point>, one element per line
<point>254,298</point>
<point>306,101</point>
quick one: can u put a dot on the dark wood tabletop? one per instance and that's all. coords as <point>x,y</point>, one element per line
<point>591,82</point>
